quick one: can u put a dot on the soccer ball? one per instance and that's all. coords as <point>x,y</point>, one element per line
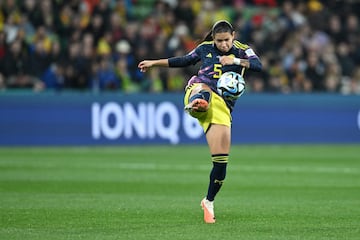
<point>231,85</point>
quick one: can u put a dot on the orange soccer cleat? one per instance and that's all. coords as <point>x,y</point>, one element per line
<point>208,207</point>
<point>197,105</point>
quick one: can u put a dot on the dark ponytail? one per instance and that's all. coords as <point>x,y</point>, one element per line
<point>208,37</point>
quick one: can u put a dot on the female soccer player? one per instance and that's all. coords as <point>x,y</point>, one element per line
<point>218,53</point>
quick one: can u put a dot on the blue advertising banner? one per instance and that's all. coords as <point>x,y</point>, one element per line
<point>110,119</point>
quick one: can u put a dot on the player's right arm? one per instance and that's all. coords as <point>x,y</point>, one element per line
<point>186,60</point>
<point>182,61</point>
<point>144,65</point>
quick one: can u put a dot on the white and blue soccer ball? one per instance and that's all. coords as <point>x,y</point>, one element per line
<point>231,85</point>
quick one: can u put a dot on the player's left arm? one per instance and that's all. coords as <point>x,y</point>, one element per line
<point>251,61</point>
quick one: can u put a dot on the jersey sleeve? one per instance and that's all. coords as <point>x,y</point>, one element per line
<point>183,61</point>
<point>254,60</point>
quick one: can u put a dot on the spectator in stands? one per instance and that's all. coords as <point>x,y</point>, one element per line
<point>315,72</point>
<point>54,77</point>
<point>39,59</point>
<point>106,75</point>
<point>15,67</point>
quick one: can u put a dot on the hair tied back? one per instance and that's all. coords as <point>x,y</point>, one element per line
<point>221,22</point>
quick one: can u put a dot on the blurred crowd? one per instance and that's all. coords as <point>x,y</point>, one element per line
<point>95,45</point>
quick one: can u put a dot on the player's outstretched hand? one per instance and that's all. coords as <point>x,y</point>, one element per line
<point>144,65</point>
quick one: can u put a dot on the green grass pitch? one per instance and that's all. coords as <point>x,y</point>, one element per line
<point>154,192</point>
